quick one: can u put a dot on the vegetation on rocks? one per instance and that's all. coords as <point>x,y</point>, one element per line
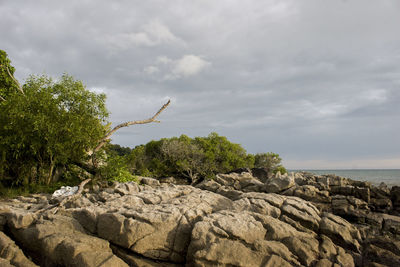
<point>55,131</point>
<point>199,157</point>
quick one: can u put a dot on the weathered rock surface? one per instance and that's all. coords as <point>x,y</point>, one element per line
<point>11,254</point>
<point>233,220</point>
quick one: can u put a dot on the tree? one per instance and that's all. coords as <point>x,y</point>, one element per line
<point>221,155</point>
<point>49,125</point>
<point>201,157</point>
<point>270,161</point>
<point>53,124</point>
<point>8,84</point>
<point>187,157</point>
<point>115,149</point>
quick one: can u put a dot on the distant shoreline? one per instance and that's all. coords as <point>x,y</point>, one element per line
<point>390,177</point>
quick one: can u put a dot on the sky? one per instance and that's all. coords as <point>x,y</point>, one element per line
<point>317,82</point>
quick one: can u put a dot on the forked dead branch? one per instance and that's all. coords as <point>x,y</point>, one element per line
<point>125,124</point>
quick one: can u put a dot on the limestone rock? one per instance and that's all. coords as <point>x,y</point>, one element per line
<point>310,193</point>
<point>229,238</point>
<point>344,259</point>
<point>275,260</point>
<point>395,197</point>
<point>261,174</point>
<point>327,248</point>
<point>148,181</point>
<point>324,263</point>
<point>305,247</point>
<point>261,203</point>
<point>161,228</point>
<point>239,181</point>
<point>302,211</point>
<point>375,254</point>
<point>11,254</point>
<point>227,191</point>
<point>226,221</point>
<point>126,188</point>
<point>340,231</point>
<point>279,183</point>
<point>60,240</point>
<point>20,219</point>
<point>391,223</point>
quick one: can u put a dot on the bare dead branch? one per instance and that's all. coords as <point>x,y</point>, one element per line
<point>15,80</point>
<point>2,98</point>
<point>125,124</point>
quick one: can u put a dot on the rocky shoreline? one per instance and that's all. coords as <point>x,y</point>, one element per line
<point>243,218</point>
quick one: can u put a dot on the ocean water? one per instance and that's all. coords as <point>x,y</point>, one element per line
<point>390,177</point>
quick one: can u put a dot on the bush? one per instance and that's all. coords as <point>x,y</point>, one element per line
<point>54,124</point>
<point>115,169</point>
<point>269,161</point>
<point>201,157</point>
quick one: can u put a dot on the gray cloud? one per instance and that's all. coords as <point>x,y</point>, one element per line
<point>316,81</point>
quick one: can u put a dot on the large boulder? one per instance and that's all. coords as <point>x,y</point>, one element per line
<point>279,183</point>
<point>340,231</point>
<point>61,241</point>
<point>235,239</point>
<point>239,181</point>
<point>309,192</point>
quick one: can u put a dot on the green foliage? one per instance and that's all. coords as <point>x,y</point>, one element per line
<point>48,130</point>
<point>115,149</point>
<point>115,169</point>
<point>280,169</point>
<point>221,155</point>
<point>186,157</point>
<point>270,161</point>
<point>54,124</point>
<point>7,85</point>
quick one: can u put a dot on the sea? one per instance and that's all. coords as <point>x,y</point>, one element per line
<point>390,177</point>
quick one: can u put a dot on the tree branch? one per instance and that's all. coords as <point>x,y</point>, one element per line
<point>125,124</point>
<point>15,80</point>
<point>2,98</point>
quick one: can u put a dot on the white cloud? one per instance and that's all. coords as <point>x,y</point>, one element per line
<point>151,70</point>
<point>159,33</point>
<point>163,60</point>
<point>154,33</point>
<point>189,65</point>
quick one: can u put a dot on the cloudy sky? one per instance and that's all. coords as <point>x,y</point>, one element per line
<point>316,81</point>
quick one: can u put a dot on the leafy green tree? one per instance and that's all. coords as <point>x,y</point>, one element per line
<point>221,155</point>
<point>115,149</point>
<point>8,84</point>
<point>115,168</point>
<point>270,161</point>
<point>189,158</point>
<point>137,161</point>
<point>185,156</point>
<point>50,129</point>
<point>54,124</point>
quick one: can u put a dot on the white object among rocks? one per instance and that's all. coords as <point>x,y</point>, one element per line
<point>65,191</point>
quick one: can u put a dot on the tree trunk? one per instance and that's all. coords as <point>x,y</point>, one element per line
<point>51,170</point>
